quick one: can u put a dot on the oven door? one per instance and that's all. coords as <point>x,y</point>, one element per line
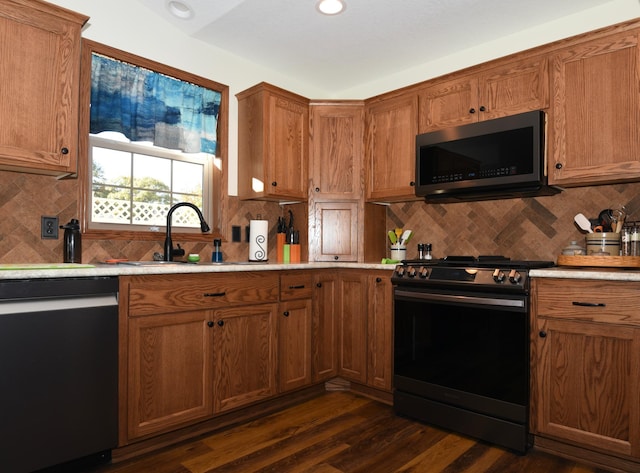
<point>466,350</point>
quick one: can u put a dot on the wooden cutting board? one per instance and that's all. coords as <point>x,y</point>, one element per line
<point>600,261</point>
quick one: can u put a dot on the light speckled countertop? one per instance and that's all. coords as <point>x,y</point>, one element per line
<point>71,271</point>
<point>608,274</point>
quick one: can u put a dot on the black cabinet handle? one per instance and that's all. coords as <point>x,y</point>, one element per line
<point>301,286</point>
<point>319,284</point>
<point>214,294</point>
<point>64,150</point>
<point>286,313</point>
<point>542,333</point>
<point>472,110</point>
<point>210,324</point>
<point>274,183</point>
<point>317,189</point>
<point>483,108</point>
<point>589,304</point>
<point>412,184</point>
<point>378,279</point>
<point>558,165</point>
<point>220,323</point>
<point>336,257</point>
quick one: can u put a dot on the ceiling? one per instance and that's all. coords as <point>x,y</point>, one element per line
<point>368,41</point>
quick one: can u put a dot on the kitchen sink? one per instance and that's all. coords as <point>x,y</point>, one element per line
<point>151,263</point>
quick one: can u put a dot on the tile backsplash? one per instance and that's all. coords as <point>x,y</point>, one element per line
<point>520,228</point>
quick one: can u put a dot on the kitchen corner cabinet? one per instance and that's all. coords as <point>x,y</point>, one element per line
<point>595,114</point>
<point>334,231</point>
<point>40,51</point>
<point>585,364</point>
<point>391,125</point>
<point>273,135</point>
<point>336,142</point>
<point>364,328</point>
<point>193,345</point>
<point>294,330</point>
<point>507,89</point>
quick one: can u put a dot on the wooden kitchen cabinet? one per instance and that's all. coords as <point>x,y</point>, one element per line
<point>390,142</point>
<point>585,364</point>
<point>380,330</point>
<point>595,114</point>
<point>336,144</point>
<point>245,355</point>
<point>335,231</point>
<point>324,326</point>
<point>273,136</point>
<point>40,50</point>
<point>508,89</point>
<point>294,330</point>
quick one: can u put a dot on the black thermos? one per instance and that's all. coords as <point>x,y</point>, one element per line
<point>72,242</point>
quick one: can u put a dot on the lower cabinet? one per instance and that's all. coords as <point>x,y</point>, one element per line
<point>324,326</point>
<point>586,365</point>
<point>365,343</point>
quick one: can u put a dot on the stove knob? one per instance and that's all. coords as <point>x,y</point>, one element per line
<point>514,276</point>
<point>411,272</point>
<point>400,271</point>
<point>498,275</point>
<point>423,273</point>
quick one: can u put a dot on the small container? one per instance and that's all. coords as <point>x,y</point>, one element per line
<point>420,250</point>
<point>427,251</point>
<point>573,249</point>
<point>625,241</point>
<point>72,242</point>
<point>603,244</point>
<point>635,241</point>
<point>193,258</point>
<point>398,252</point>
<point>216,256</point>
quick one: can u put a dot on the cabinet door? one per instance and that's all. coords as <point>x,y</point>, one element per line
<point>587,384</point>
<point>294,344</point>
<point>595,113</point>
<point>390,153</point>
<point>513,88</point>
<point>287,148</point>
<point>40,51</point>
<point>244,355</point>
<point>336,150</point>
<point>170,371</point>
<point>335,232</point>
<point>449,103</point>
<point>379,331</point>
<point>325,326</point>
<point>352,327</point>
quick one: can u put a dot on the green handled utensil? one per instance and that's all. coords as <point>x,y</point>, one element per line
<point>392,237</point>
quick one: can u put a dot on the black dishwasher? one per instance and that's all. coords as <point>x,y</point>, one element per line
<point>58,372</point>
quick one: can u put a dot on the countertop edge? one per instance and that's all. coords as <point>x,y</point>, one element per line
<point>606,274</point>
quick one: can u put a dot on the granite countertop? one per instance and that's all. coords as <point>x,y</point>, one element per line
<point>607,274</point>
<point>60,270</point>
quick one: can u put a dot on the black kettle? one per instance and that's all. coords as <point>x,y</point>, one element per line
<point>72,242</point>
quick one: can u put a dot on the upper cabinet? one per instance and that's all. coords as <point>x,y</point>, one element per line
<point>595,114</point>
<point>273,135</point>
<point>391,128</point>
<point>40,51</point>
<point>507,89</point>
<point>336,141</point>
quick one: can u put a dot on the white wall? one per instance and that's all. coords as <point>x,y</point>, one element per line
<point>128,25</point>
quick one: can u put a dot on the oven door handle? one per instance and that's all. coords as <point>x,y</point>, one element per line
<point>486,301</point>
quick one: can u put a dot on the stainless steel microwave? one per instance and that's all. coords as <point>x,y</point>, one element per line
<point>493,159</point>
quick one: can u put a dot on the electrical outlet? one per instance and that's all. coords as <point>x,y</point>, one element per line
<point>49,228</point>
<point>236,234</point>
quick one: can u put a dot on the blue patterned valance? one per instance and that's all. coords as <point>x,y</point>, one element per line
<point>148,106</point>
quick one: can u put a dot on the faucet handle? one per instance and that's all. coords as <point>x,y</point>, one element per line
<point>178,251</point>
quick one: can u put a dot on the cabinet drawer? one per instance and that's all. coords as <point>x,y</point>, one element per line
<point>588,300</point>
<point>176,292</point>
<point>296,285</point>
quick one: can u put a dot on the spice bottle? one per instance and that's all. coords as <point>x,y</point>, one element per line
<point>216,256</point>
<point>427,251</point>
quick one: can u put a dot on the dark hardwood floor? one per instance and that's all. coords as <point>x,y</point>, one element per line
<point>340,432</point>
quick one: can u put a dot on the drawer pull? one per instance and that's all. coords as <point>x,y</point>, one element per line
<point>301,286</point>
<point>214,294</point>
<point>589,304</point>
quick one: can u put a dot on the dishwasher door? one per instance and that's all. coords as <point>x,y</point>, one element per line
<point>58,372</point>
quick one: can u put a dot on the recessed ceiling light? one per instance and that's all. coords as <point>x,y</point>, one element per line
<point>180,9</point>
<point>330,7</point>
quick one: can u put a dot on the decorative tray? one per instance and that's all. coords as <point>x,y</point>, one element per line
<point>600,261</point>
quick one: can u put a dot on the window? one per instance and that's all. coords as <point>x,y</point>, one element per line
<point>142,158</point>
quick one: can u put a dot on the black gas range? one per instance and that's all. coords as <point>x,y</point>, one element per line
<point>496,273</point>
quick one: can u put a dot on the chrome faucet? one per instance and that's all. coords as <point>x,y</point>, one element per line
<point>168,244</point>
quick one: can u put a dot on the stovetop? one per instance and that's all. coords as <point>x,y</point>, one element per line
<point>495,272</point>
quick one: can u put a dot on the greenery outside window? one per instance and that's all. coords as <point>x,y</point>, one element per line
<point>127,187</point>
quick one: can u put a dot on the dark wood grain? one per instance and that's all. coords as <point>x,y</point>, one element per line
<point>340,432</point>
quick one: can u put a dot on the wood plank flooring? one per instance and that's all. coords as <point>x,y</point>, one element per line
<point>340,432</point>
